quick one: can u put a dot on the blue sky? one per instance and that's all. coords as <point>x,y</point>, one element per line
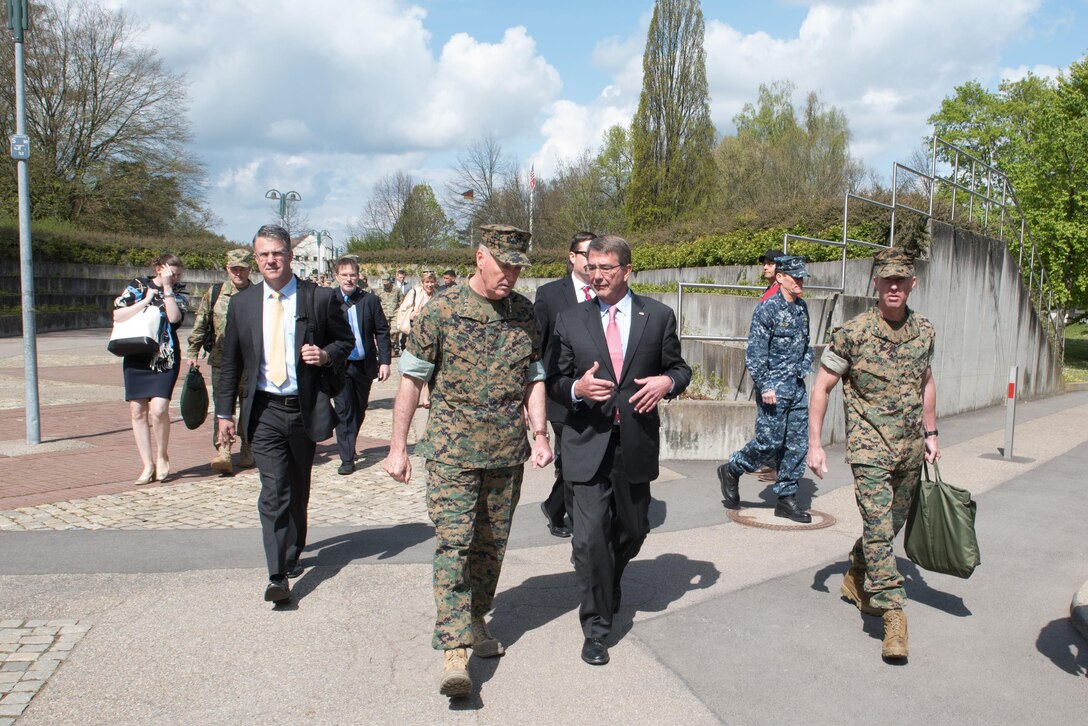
<point>328,96</point>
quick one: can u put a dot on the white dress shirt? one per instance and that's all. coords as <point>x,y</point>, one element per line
<point>579,289</point>
<point>290,312</point>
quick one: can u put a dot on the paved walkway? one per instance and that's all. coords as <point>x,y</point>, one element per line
<point>721,622</point>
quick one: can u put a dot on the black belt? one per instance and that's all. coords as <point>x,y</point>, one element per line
<point>290,401</point>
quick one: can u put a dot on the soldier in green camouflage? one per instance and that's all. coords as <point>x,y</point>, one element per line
<point>478,347</point>
<point>883,357</point>
<point>207,335</point>
<point>391,297</point>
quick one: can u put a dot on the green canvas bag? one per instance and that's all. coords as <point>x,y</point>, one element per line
<point>194,399</point>
<point>940,533</point>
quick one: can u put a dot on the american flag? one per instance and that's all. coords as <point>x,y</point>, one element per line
<point>532,178</point>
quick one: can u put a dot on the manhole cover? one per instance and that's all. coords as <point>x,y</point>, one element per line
<point>763,518</point>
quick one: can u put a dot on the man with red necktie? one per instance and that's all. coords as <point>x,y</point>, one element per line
<point>617,358</point>
<point>551,299</point>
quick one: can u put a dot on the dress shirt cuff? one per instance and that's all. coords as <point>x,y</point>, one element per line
<point>410,365</point>
<point>573,398</point>
<point>834,362</point>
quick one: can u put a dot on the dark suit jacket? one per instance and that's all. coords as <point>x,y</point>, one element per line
<point>551,299</point>
<point>243,348</point>
<point>373,328</point>
<point>653,349</point>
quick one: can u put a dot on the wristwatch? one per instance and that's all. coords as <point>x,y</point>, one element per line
<point>931,433</point>
<point>542,432</point>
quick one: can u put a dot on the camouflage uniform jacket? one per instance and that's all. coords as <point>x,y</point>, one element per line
<point>390,300</point>
<point>882,370</point>
<point>219,316</point>
<point>778,351</point>
<point>478,355</point>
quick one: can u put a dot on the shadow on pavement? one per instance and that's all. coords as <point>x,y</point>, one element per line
<point>918,590</point>
<point>327,557</point>
<point>1064,646</point>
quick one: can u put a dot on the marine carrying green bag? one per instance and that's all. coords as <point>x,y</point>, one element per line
<point>194,399</point>
<point>941,528</point>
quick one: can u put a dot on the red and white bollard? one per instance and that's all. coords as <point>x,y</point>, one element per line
<point>1010,413</point>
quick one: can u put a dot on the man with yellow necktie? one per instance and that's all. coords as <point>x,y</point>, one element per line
<point>289,339</point>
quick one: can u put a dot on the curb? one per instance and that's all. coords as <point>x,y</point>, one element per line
<point>1078,610</point>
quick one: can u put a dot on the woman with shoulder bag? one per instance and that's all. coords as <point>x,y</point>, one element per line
<point>413,303</point>
<point>149,380</point>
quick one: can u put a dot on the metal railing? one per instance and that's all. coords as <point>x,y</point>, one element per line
<point>978,181</point>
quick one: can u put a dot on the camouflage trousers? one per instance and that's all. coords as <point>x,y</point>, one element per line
<point>471,510</point>
<point>215,424</point>
<point>884,497</point>
<point>781,442</point>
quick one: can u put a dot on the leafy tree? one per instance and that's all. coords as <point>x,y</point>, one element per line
<point>1036,132</point>
<point>672,134</point>
<point>782,154</point>
<point>104,116</point>
<point>422,223</point>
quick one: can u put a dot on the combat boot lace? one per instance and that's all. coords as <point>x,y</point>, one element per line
<point>853,591</point>
<point>221,462</point>
<point>484,644</point>
<point>246,460</point>
<point>895,635</point>
<point>455,681</point>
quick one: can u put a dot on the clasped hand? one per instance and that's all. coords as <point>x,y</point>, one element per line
<point>651,389</point>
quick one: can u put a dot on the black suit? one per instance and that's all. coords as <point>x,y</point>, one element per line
<point>611,466</point>
<point>283,430</point>
<point>552,299</point>
<point>350,404</point>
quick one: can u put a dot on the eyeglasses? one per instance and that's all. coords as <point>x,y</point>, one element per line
<point>606,269</point>
<point>583,253</point>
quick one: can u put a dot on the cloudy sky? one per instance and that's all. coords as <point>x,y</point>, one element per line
<point>326,96</point>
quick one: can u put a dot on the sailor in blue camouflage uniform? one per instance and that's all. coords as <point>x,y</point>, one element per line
<point>778,358</point>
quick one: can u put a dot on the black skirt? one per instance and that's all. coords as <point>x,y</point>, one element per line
<point>141,382</point>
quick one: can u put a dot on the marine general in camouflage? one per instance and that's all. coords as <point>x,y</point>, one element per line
<point>478,347</point>
<point>778,358</point>
<point>209,327</point>
<point>391,297</point>
<point>883,357</point>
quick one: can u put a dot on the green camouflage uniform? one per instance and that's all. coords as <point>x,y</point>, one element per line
<point>478,355</point>
<point>390,300</point>
<point>882,370</point>
<point>218,313</point>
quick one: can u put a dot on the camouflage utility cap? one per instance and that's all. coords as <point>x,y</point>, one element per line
<point>893,262</point>
<point>508,244</point>
<point>792,266</point>
<point>770,255</point>
<point>241,257</point>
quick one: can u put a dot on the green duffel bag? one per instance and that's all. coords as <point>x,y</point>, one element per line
<point>194,399</point>
<point>941,528</point>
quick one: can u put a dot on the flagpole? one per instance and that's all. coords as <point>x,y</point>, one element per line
<point>532,193</point>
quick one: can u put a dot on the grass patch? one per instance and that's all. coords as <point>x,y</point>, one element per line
<point>1076,354</point>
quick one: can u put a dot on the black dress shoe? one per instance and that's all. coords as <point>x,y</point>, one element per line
<point>557,530</point>
<point>278,591</point>
<point>594,651</point>
<point>295,570</point>
<point>788,508</point>
<point>346,468</point>
<point>730,487</point>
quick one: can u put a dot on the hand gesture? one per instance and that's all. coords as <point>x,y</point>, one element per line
<point>593,388</point>
<point>653,390</point>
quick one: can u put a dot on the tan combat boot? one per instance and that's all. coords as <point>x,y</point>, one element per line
<point>246,460</point>
<point>221,462</point>
<point>895,635</point>
<point>456,682</point>
<point>484,644</point>
<point>853,591</point>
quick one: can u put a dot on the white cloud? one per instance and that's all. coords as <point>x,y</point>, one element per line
<point>1021,72</point>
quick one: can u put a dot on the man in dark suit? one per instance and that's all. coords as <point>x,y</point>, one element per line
<point>289,339</point>
<point>551,299</point>
<point>369,359</point>
<point>618,357</point>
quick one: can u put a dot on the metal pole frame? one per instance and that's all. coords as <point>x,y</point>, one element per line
<point>26,264</point>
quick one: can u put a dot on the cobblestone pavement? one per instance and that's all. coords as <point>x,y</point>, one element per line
<point>80,477</point>
<point>30,652</point>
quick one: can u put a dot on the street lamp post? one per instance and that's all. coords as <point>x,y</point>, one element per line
<point>321,248</point>
<point>284,198</point>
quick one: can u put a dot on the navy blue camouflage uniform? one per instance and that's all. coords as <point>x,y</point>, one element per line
<point>778,358</point>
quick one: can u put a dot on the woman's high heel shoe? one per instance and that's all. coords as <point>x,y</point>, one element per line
<point>162,471</point>
<point>146,478</point>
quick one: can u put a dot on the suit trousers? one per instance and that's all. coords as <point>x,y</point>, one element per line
<point>611,521</point>
<point>285,457</point>
<point>560,500</point>
<point>350,406</point>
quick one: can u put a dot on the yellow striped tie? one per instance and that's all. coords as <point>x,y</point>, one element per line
<point>277,346</point>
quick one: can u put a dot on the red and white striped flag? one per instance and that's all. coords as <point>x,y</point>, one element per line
<point>532,177</point>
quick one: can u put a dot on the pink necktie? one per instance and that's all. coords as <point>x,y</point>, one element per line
<point>585,291</point>
<point>615,349</point>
